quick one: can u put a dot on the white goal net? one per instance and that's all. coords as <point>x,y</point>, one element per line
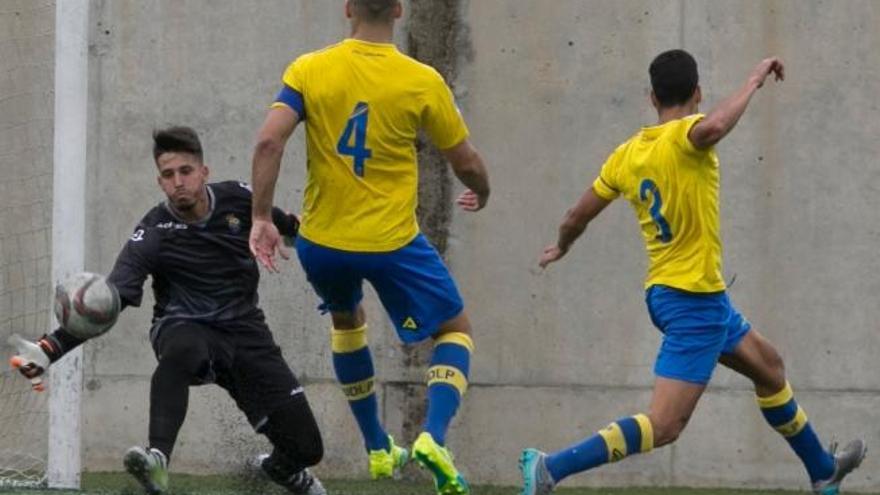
<point>23,444</point>
<point>26,136</point>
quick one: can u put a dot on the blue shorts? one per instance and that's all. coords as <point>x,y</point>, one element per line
<point>697,330</point>
<point>414,285</point>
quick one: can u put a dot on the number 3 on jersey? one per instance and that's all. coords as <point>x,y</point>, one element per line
<point>357,125</point>
<point>664,232</point>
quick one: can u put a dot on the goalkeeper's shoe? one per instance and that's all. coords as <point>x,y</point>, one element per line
<point>438,460</point>
<point>384,463</point>
<point>149,467</point>
<point>536,477</point>
<point>845,462</point>
<point>300,482</point>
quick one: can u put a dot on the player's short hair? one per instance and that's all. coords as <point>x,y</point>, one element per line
<point>674,77</point>
<point>179,139</point>
<point>374,10</point>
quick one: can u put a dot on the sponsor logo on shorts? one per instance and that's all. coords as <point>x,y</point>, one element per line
<point>410,324</point>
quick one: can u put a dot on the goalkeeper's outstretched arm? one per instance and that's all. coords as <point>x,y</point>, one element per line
<point>32,359</point>
<point>134,263</point>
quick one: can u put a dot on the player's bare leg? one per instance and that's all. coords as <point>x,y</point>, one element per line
<point>349,320</point>
<point>353,364</point>
<point>457,324</point>
<point>672,404</point>
<point>447,383</point>
<point>757,359</point>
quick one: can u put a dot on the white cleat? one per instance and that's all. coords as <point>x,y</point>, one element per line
<point>301,482</point>
<point>845,462</point>
<point>149,468</point>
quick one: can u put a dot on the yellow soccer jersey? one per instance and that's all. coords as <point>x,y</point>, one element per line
<point>673,188</point>
<point>363,104</point>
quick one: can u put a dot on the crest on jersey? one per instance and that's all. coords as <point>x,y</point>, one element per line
<point>234,223</point>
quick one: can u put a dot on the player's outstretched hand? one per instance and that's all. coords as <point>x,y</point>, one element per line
<point>30,360</point>
<point>551,254</point>
<point>771,65</point>
<point>470,201</point>
<point>265,242</point>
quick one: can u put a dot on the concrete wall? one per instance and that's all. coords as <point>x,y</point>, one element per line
<point>799,176</point>
<point>548,93</point>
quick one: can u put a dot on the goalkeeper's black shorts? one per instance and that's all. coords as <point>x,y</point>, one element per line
<point>241,356</point>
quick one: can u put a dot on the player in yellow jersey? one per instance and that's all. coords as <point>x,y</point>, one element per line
<point>669,173</point>
<point>363,103</point>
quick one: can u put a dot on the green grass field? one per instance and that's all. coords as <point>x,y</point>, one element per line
<point>119,483</point>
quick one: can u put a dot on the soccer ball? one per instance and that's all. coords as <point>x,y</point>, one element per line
<point>86,305</point>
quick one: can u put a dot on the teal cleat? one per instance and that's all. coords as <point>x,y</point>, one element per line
<point>536,478</point>
<point>149,468</point>
<point>844,463</point>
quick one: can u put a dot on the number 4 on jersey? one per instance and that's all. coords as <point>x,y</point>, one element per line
<point>357,125</point>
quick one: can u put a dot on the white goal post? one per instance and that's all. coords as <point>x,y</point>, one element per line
<point>68,227</point>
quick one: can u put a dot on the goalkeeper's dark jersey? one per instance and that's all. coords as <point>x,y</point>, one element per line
<point>201,271</point>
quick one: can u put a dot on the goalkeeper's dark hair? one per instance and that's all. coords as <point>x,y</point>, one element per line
<point>674,77</point>
<point>374,10</point>
<point>179,139</point>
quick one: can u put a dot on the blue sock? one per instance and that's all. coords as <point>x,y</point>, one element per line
<point>354,370</point>
<point>790,420</point>
<point>625,437</point>
<point>447,382</point>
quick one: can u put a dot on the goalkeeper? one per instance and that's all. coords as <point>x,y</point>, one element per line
<point>206,327</point>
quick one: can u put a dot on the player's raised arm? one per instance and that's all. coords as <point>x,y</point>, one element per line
<point>723,118</point>
<point>574,224</point>
<point>469,168</point>
<point>276,130</point>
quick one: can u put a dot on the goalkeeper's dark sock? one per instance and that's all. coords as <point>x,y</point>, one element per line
<point>169,396</point>
<point>353,364</point>
<point>790,420</point>
<point>447,381</point>
<point>624,437</point>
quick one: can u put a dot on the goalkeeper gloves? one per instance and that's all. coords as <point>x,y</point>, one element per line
<point>32,359</point>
